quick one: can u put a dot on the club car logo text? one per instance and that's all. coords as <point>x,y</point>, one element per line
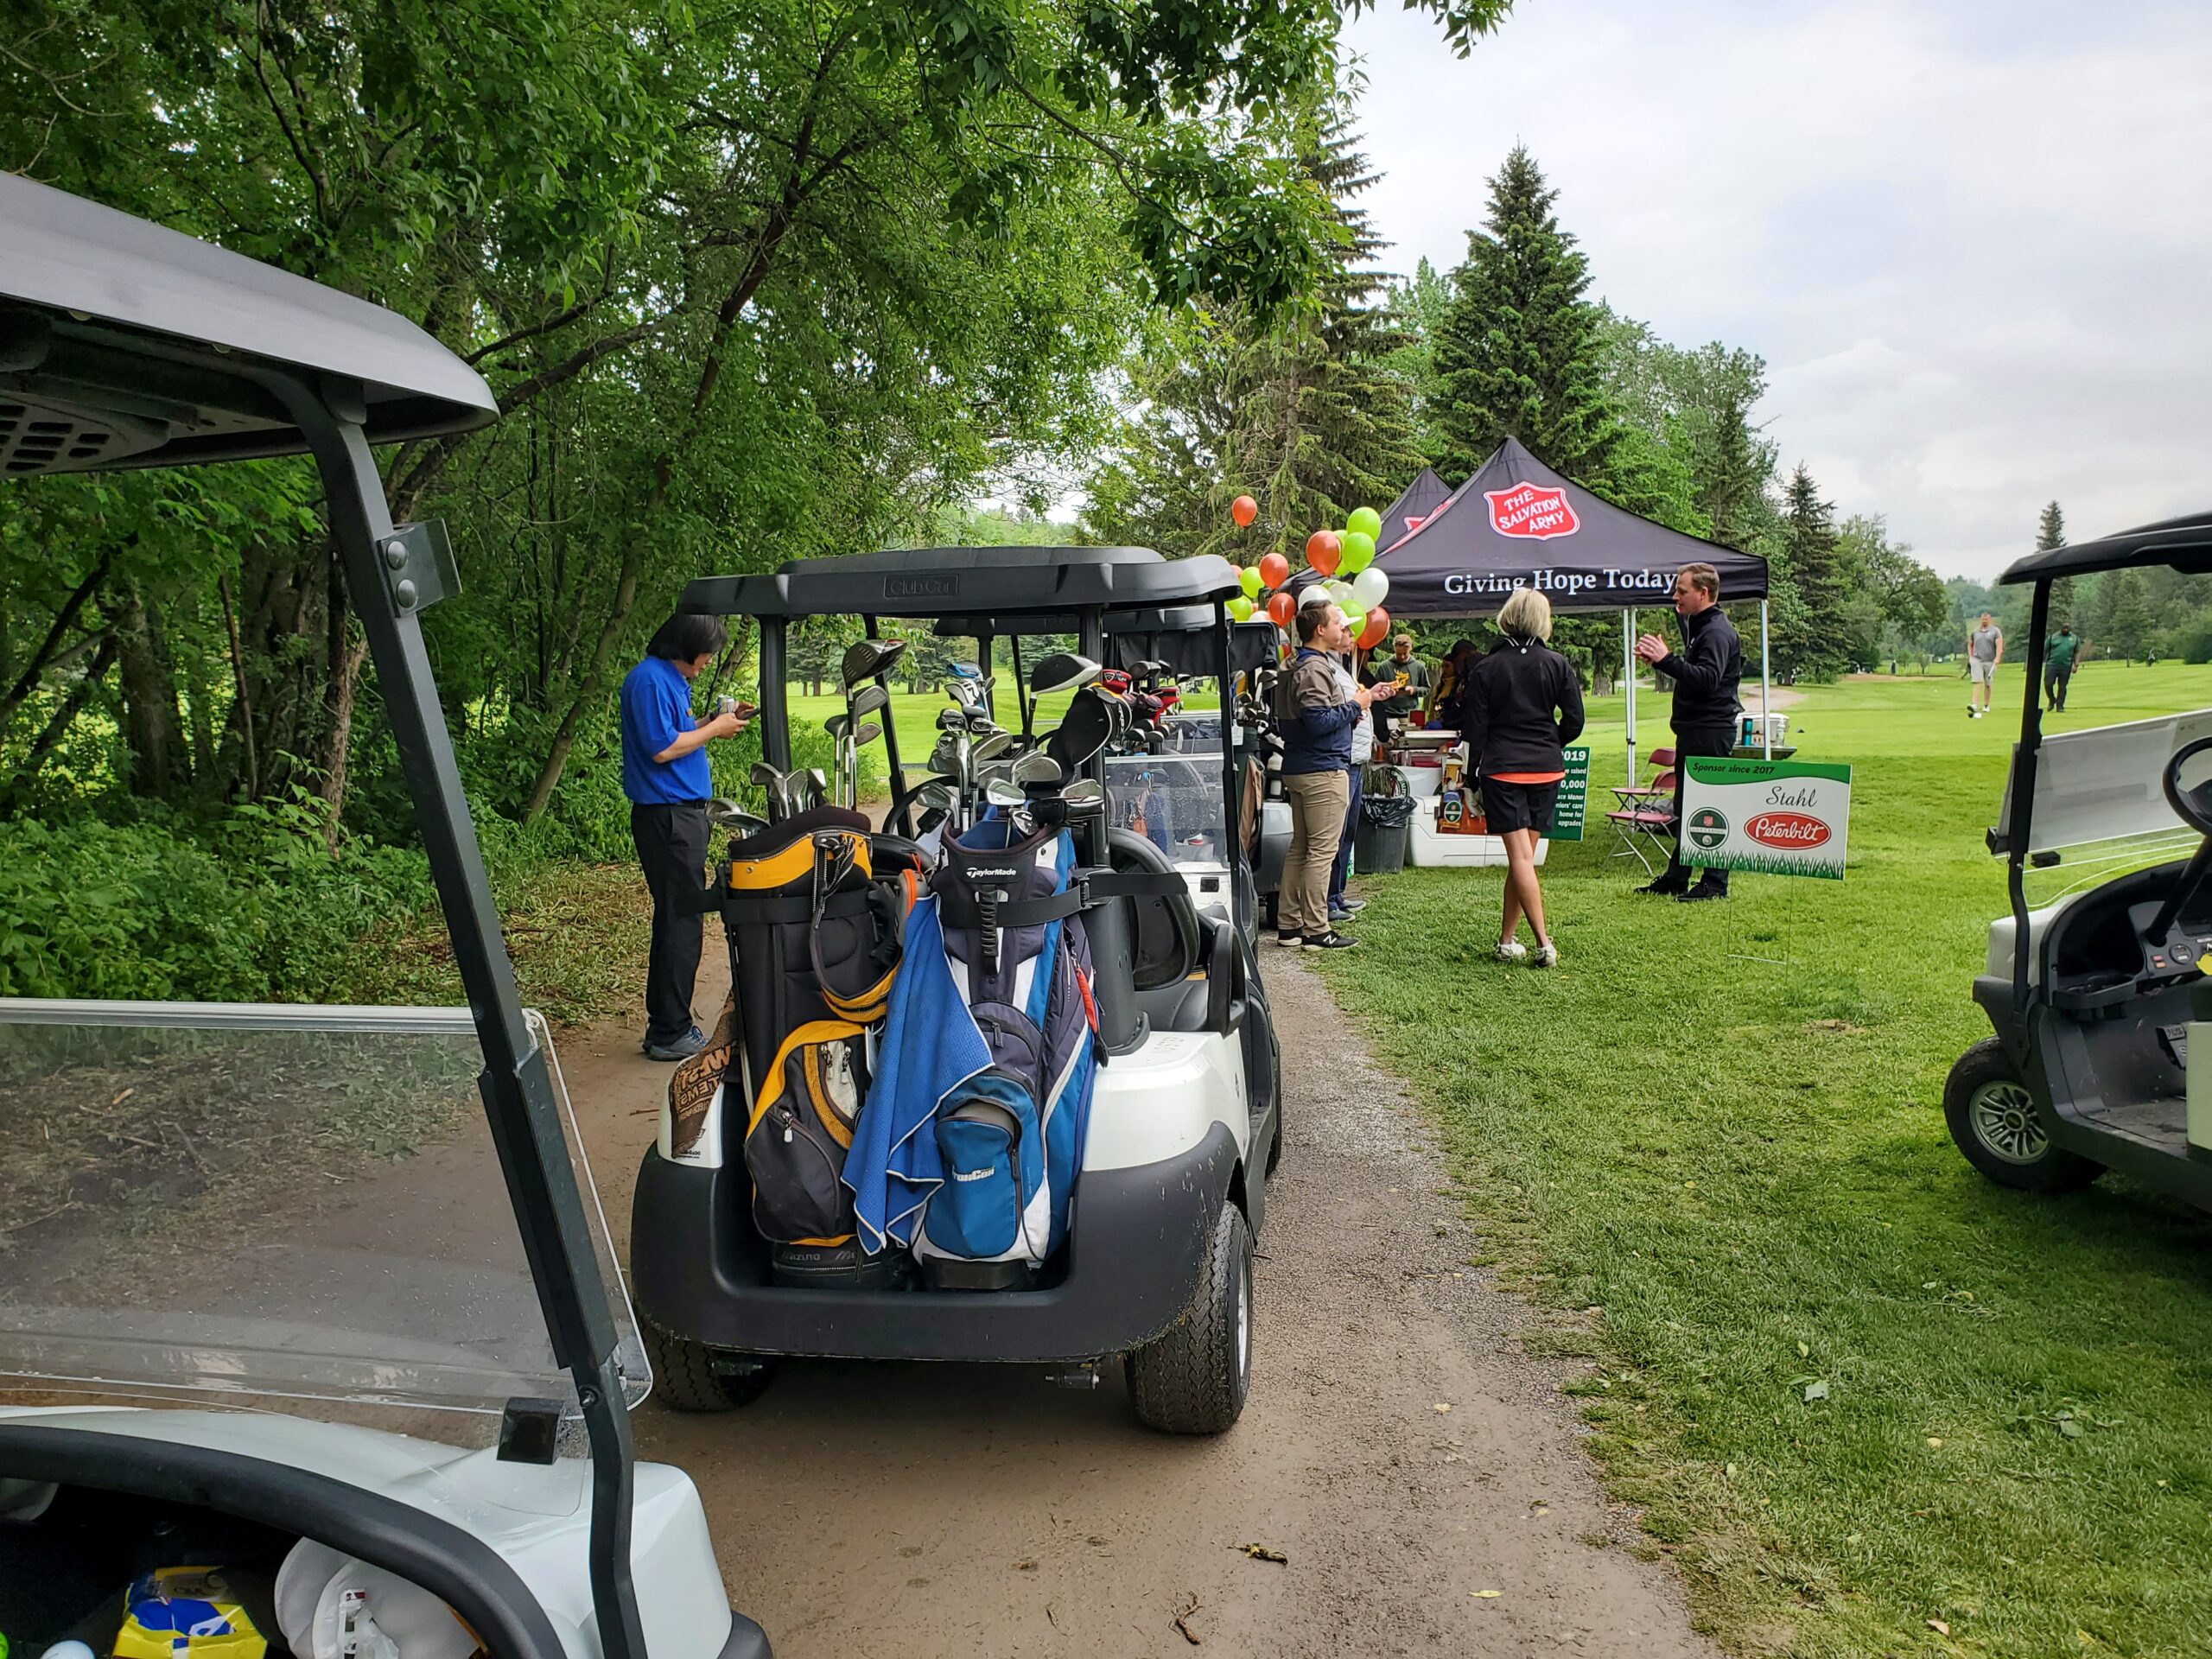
<point>920,586</point>
<point>1531,510</point>
<point>1792,831</point>
<point>1558,585</point>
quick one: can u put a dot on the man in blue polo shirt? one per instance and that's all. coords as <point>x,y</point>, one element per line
<point>665,774</point>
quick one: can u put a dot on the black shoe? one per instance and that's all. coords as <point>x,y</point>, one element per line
<point>1332,940</point>
<point>1665,889</point>
<point>1289,936</point>
<point>1700,893</point>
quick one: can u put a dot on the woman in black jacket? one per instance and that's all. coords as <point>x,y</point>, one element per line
<point>1522,706</point>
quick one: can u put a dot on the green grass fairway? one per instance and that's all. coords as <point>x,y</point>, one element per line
<point>1855,1387</point>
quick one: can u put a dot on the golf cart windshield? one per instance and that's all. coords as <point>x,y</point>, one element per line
<point>292,1208</point>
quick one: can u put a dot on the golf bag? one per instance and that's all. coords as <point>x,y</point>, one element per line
<point>813,917</point>
<point>974,1128</point>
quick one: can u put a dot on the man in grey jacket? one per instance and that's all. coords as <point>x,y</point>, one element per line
<point>1315,718</point>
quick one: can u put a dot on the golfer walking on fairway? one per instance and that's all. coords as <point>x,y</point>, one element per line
<point>1985,650</point>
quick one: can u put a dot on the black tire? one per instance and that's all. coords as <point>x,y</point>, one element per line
<point>1996,1123</point>
<point>1193,1377</point>
<point>685,1377</point>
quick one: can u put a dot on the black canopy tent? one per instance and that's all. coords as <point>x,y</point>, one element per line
<point>1421,498</point>
<point>1517,524</point>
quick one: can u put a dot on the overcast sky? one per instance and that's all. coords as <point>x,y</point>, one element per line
<point>1972,241</point>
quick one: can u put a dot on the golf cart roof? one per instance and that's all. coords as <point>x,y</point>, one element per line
<point>930,581</point>
<point>126,345</point>
<point>2184,543</point>
<point>1179,636</point>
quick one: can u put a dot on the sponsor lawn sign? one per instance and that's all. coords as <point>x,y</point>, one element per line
<point>1776,817</point>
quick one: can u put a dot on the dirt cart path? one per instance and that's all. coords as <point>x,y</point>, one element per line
<point>872,1511</point>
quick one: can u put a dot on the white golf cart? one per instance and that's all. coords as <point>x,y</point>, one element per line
<point>2098,986</point>
<point>1185,1122</point>
<point>264,1373</point>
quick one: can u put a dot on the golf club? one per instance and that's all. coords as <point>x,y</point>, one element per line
<point>868,659</point>
<point>770,782</point>
<point>855,742</point>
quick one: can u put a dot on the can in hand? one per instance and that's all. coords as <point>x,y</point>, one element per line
<point>725,705</point>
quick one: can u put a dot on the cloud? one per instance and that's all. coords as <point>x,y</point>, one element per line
<point>1972,241</point>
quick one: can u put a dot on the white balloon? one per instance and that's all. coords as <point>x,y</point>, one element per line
<point>1370,587</point>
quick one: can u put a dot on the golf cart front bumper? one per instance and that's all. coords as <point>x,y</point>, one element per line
<point>1137,1240</point>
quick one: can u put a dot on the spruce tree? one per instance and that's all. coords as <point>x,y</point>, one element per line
<point>1812,645</point>
<point>2129,622</point>
<point>1521,354</point>
<point>2050,533</point>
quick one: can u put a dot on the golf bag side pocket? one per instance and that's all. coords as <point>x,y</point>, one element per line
<point>800,1128</point>
<point>993,1205</point>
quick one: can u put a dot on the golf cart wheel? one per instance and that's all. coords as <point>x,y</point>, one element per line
<point>1192,1378</point>
<point>1992,1117</point>
<point>686,1377</point>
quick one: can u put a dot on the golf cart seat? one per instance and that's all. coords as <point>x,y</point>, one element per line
<point>1185,959</point>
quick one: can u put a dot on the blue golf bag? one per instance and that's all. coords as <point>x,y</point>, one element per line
<point>968,1148</point>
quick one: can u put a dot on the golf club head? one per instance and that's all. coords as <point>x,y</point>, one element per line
<point>866,735</point>
<point>952,720</point>
<point>868,700</point>
<point>1064,670</point>
<point>992,745</point>
<point>813,787</point>
<point>866,658</point>
<point>1084,792</point>
<point>1002,793</point>
<point>837,726</point>
<point>936,797</point>
<point>1037,769</point>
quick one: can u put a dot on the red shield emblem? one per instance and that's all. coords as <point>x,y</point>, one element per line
<point>1789,830</point>
<point>1536,511</point>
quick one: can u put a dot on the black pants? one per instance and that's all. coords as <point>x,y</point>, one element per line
<point>2054,685</point>
<point>671,843</point>
<point>1712,742</point>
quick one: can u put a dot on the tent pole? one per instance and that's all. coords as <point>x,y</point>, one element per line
<point>1628,681</point>
<point>1766,689</point>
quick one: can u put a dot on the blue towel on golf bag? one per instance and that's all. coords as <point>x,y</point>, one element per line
<point>973,1132</point>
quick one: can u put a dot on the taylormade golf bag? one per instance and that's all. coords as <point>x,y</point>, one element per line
<point>969,1143</point>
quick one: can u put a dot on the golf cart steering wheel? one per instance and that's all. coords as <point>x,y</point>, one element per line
<point>2192,806</point>
<point>2169,951</point>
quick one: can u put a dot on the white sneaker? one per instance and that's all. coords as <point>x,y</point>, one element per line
<point>1513,951</point>
<point>1546,956</point>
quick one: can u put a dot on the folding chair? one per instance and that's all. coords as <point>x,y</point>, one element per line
<point>1645,813</point>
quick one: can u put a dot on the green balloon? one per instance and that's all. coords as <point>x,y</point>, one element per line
<point>1365,521</point>
<point>1358,554</point>
<point>1242,608</point>
<point>1248,579</point>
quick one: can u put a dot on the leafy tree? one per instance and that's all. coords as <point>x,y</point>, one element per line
<point>1419,306</point>
<point>1305,415</point>
<point>1908,603</point>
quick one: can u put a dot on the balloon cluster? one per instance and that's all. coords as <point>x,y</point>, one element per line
<point>1344,560</point>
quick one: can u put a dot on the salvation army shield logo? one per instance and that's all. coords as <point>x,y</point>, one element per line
<point>1535,511</point>
<point>1708,828</point>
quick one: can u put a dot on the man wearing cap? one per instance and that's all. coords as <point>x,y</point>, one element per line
<point>1410,675</point>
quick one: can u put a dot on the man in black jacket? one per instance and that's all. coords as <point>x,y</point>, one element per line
<point>1706,714</point>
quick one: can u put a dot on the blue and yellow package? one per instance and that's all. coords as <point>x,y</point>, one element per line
<point>185,1612</point>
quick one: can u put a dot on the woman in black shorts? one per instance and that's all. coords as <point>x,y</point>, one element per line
<point>1523,707</point>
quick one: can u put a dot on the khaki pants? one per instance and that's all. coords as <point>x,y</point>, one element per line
<point>1319,801</point>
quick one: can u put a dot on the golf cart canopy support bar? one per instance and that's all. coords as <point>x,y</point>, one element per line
<point>933,582</point>
<point>162,351</point>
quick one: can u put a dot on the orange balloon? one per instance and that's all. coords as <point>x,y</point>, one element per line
<point>1377,629</point>
<point>1243,510</point>
<point>1282,608</point>
<point>1323,549</point>
<point>1274,570</point>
